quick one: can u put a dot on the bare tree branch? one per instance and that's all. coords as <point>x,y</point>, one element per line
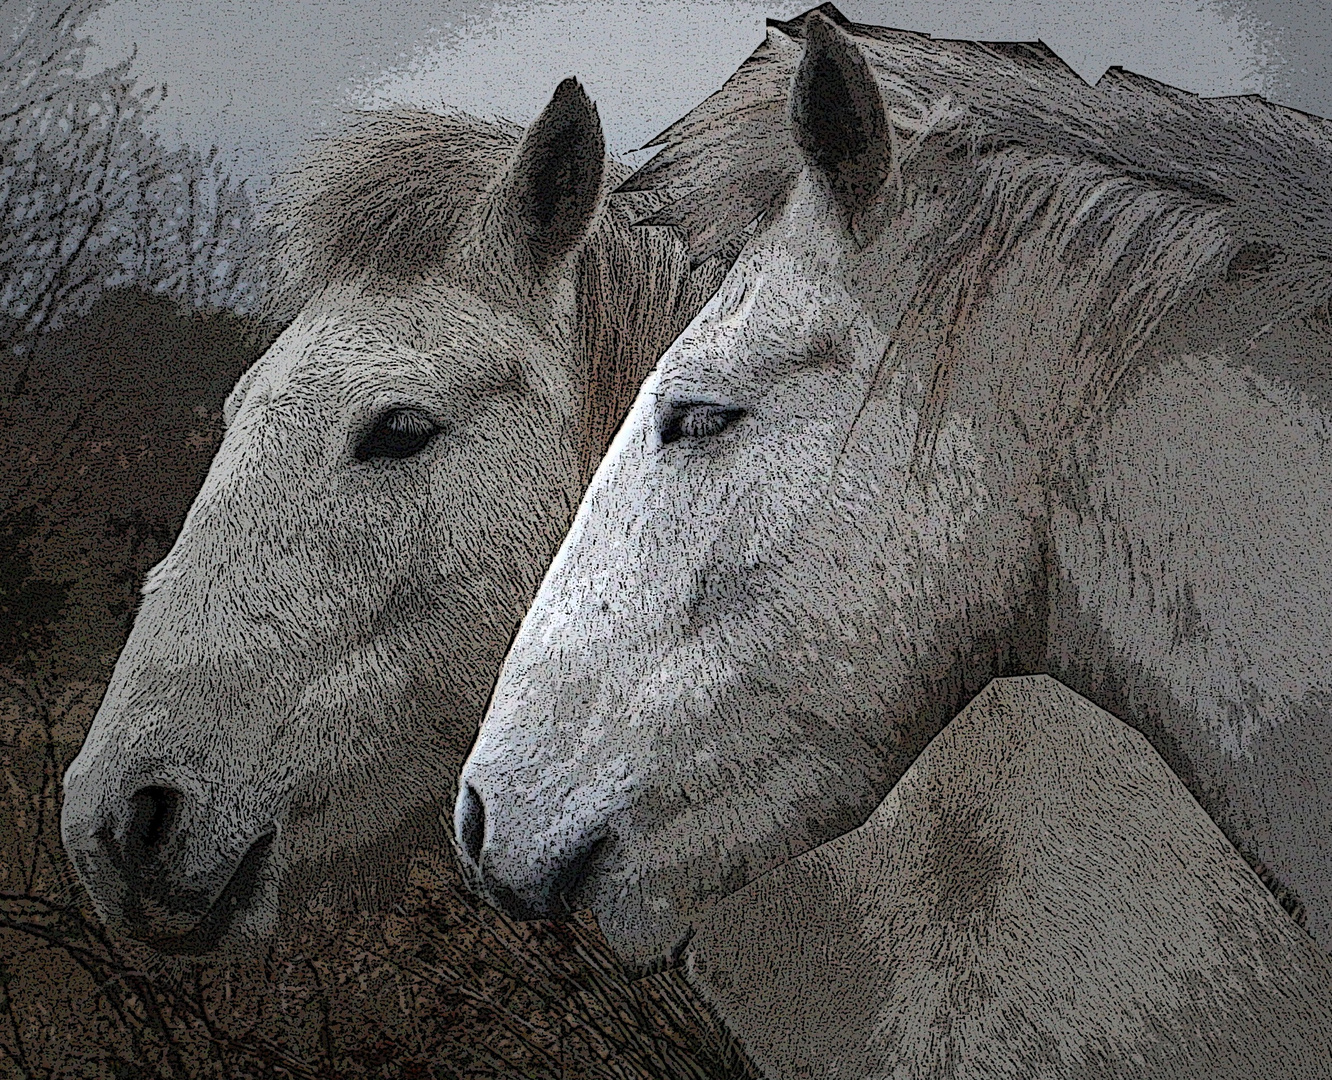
<point>89,198</point>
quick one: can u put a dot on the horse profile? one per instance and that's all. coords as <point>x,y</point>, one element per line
<point>1012,376</point>
<point>311,659</point>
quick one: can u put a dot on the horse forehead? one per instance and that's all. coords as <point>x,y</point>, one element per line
<point>416,312</point>
<point>776,297</point>
<point>796,261</point>
<point>347,334</point>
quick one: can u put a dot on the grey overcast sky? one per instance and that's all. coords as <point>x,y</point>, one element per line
<point>258,77</point>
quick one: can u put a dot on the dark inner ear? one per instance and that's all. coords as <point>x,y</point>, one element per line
<point>838,116</point>
<point>555,179</point>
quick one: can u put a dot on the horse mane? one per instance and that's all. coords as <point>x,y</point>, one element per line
<point>1141,193</point>
<point>387,200</point>
<point>732,158</point>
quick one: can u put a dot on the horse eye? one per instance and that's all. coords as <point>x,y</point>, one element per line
<point>697,420</point>
<point>399,433</point>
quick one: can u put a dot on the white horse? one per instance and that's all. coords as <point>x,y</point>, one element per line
<point>1038,897</point>
<point>310,661</point>
<point>1013,375</point>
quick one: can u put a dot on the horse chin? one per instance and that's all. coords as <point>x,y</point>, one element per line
<point>644,945</point>
<point>239,924</point>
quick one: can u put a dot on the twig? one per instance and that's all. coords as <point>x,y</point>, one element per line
<point>18,1054</point>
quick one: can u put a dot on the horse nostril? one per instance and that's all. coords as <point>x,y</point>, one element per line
<point>472,824</point>
<point>571,876</point>
<point>153,813</point>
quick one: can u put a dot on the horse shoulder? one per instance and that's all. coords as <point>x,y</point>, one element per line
<point>1039,894</point>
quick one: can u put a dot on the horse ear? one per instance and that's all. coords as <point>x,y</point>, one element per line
<point>838,116</point>
<point>553,183</point>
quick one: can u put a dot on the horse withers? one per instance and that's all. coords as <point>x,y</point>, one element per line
<point>310,661</point>
<point>1013,375</point>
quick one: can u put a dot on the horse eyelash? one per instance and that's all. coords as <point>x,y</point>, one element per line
<point>677,423</point>
<point>413,424</point>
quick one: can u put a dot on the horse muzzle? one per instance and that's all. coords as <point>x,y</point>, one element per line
<point>161,871</point>
<point>524,876</point>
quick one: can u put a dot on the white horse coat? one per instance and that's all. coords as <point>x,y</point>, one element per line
<point>312,657</point>
<point>1038,897</point>
<point>1012,376</point>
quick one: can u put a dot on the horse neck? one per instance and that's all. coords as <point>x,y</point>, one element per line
<point>1191,560</point>
<point>1025,350</point>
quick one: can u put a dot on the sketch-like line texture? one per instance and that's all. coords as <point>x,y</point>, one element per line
<point>312,657</point>
<point>1037,897</point>
<point>1013,375</point>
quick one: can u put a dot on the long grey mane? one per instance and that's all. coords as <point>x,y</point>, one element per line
<point>1143,193</point>
<point>388,199</point>
<point>732,157</point>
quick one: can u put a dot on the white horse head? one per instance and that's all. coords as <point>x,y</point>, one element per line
<point>310,660</point>
<point>856,489</point>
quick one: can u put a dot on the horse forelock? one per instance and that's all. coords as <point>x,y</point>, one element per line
<point>381,200</point>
